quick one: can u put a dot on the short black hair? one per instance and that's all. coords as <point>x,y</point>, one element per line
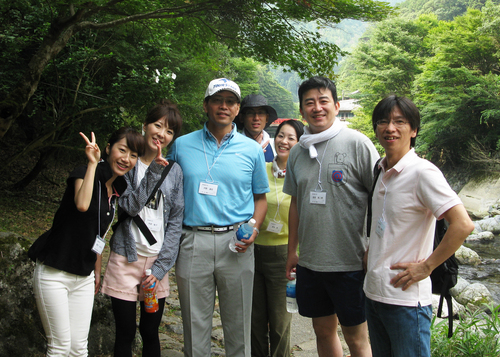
<point>317,83</point>
<point>410,111</point>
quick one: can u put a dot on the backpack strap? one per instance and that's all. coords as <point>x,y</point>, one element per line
<point>137,219</point>
<point>445,294</point>
<point>376,173</point>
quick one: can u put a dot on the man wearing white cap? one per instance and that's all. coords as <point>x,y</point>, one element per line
<point>225,184</point>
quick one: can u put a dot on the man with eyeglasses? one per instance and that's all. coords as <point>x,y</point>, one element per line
<point>409,195</point>
<point>256,115</point>
<point>225,184</point>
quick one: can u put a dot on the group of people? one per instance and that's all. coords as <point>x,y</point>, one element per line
<point>309,204</point>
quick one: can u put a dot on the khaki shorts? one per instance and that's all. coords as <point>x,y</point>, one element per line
<point>123,280</point>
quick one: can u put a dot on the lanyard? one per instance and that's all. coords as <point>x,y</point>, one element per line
<point>209,168</point>
<point>320,165</point>
<point>278,201</point>
<point>385,195</point>
<point>99,215</point>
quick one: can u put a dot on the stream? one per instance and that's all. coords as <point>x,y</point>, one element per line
<point>488,272</point>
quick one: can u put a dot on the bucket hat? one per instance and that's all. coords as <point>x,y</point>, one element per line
<point>254,101</point>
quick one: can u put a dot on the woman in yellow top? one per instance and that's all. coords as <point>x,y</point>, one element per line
<point>270,320</point>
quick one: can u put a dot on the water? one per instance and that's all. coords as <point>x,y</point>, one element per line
<point>488,272</point>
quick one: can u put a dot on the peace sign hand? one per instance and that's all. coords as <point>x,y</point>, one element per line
<point>159,159</point>
<point>92,149</point>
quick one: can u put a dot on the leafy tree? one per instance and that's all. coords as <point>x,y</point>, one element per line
<point>459,89</point>
<point>445,10</point>
<point>449,68</point>
<point>250,28</point>
<point>386,61</point>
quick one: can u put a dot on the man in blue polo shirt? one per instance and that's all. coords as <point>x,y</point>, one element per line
<point>225,184</point>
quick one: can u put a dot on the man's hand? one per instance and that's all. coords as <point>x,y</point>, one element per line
<point>411,274</point>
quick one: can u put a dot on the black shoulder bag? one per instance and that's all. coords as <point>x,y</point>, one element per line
<point>137,219</point>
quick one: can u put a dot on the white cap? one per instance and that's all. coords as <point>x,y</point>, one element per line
<point>148,271</point>
<point>221,84</point>
<point>293,274</point>
<point>252,222</point>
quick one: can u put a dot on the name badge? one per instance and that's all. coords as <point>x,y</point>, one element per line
<point>380,227</point>
<point>154,225</point>
<point>274,227</point>
<point>99,244</point>
<point>317,197</point>
<point>209,189</point>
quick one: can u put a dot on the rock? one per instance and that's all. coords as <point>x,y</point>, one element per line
<point>475,296</point>
<point>218,334</point>
<point>480,193</point>
<point>467,256</point>
<point>21,331</point>
<point>178,329</point>
<point>491,224</point>
<point>171,353</point>
<point>459,287</point>
<point>480,237</point>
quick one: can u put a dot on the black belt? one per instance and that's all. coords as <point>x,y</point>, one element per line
<point>213,229</point>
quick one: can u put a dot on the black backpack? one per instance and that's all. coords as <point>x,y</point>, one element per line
<point>445,276</point>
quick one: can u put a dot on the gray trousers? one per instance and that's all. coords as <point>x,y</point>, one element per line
<point>205,264</point>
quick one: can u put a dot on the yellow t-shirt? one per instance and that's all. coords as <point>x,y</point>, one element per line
<point>275,197</point>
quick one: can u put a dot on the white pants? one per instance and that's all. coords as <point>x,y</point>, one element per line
<point>205,264</point>
<point>65,304</point>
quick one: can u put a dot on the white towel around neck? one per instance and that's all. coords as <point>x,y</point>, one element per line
<point>308,140</point>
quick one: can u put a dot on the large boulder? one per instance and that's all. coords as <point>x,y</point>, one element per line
<point>21,331</point>
<point>481,237</point>
<point>474,296</point>
<point>490,224</point>
<point>480,194</point>
<point>467,256</point>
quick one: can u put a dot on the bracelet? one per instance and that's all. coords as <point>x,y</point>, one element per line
<point>256,229</point>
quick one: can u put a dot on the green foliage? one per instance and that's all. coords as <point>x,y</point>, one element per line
<point>94,66</point>
<point>458,90</point>
<point>387,61</point>
<point>445,10</point>
<point>449,68</point>
<point>474,335</point>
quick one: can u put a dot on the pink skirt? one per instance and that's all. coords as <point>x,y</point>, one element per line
<point>123,280</point>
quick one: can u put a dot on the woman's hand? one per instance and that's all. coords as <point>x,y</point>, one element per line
<point>160,160</point>
<point>92,149</point>
<point>150,280</point>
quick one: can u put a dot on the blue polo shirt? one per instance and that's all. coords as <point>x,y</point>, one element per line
<point>237,168</point>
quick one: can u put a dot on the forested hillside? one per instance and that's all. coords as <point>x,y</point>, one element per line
<point>448,64</point>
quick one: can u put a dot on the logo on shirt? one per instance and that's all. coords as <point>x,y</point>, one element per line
<point>338,171</point>
<point>337,175</point>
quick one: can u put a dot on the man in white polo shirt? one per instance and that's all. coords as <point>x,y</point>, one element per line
<point>225,184</point>
<point>409,195</point>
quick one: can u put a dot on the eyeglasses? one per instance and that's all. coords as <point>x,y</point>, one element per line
<point>230,102</point>
<point>259,113</point>
<point>398,123</point>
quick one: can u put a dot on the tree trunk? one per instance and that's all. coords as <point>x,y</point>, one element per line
<point>35,171</point>
<point>57,38</point>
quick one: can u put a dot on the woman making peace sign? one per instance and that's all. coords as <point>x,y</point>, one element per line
<point>66,255</point>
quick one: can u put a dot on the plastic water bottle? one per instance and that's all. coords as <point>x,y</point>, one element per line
<point>244,232</point>
<point>291,300</point>
<point>150,299</point>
